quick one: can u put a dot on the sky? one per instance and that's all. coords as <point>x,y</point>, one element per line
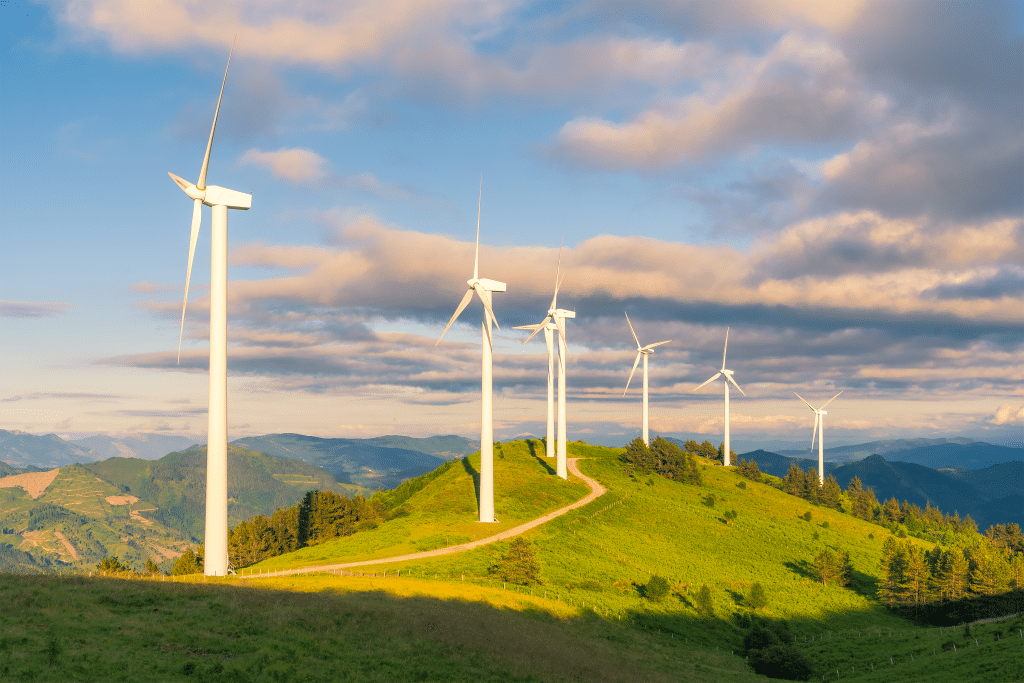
<point>838,184</point>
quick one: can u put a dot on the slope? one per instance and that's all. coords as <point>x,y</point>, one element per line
<point>372,463</point>
<point>48,451</point>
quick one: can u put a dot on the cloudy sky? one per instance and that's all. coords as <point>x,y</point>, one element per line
<point>839,183</point>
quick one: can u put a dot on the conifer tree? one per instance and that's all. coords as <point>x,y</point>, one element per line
<point>914,588</point>
<point>955,574</point>
<point>519,565</point>
<point>831,493</point>
<point>892,565</point>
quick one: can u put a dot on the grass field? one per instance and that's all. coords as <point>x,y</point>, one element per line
<point>445,618</point>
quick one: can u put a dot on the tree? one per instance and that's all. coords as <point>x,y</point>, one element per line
<point>721,449</point>
<point>518,565</point>
<point>892,565</point>
<point>111,564</point>
<point>657,588</point>
<point>891,511</point>
<point>793,482</point>
<point>757,597</point>
<point>191,562</point>
<point>831,493</point>
<point>151,567</point>
<point>639,455</point>
<point>749,469</point>
<point>833,567</point>
<point>955,572</point>
<point>916,576</point>
<point>703,601</point>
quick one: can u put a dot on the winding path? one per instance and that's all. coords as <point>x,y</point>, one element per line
<point>596,490</point>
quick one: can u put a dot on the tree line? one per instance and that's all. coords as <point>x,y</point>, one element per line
<point>662,457</point>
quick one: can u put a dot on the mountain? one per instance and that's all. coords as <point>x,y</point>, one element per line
<point>48,451</point>
<point>383,462</point>
<point>146,446</point>
<point>138,509</point>
<point>990,496</point>
<point>934,453</point>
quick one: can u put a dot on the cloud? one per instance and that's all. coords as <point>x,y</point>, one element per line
<point>33,309</point>
<point>369,183</point>
<point>1006,282</point>
<point>802,91</point>
<point>1007,414</point>
<point>293,165</point>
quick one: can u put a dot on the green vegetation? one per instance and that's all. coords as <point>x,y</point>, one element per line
<point>518,565</point>
<point>664,458</point>
<point>596,567</point>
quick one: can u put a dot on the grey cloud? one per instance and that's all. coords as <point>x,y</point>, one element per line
<point>33,309</point>
<point>1008,282</point>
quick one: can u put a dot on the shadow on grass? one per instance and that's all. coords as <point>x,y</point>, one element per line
<point>476,479</point>
<point>532,445</point>
<point>803,568</point>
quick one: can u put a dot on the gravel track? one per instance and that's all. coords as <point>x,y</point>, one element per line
<point>596,490</point>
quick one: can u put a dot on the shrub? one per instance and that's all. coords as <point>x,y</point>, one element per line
<point>782,661</point>
<point>742,485</point>
<point>824,525</point>
<point>759,638</point>
<point>518,565</point>
<point>705,605</point>
<point>710,500</point>
<point>656,589</point>
<point>807,516</point>
<point>757,598</point>
<point>111,564</point>
<point>948,645</point>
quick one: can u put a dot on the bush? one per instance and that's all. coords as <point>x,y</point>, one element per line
<point>757,598</point>
<point>111,564</point>
<point>948,645</point>
<point>710,500</point>
<point>657,589</point>
<point>741,485</point>
<point>759,638</point>
<point>807,516</point>
<point>824,525</point>
<point>518,565</point>
<point>705,605</point>
<point>782,661</point>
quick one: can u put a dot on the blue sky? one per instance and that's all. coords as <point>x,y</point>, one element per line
<point>839,183</point>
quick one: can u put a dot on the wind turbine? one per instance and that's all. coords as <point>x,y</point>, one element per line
<point>819,432</point>
<point>483,288</point>
<point>555,320</point>
<point>728,378</point>
<point>220,200</point>
<point>549,328</point>
<point>641,351</point>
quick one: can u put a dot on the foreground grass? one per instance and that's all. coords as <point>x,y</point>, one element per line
<point>322,628</point>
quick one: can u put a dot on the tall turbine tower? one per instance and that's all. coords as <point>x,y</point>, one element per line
<point>549,328</point>
<point>220,200</point>
<point>641,351</point>
<point>819,431</point>
<point>728,378</point>
<point>483,289</point>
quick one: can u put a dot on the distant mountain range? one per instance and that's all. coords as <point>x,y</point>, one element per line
<point>934,453</point>
<point>382,462</point>
<point>993,495</point>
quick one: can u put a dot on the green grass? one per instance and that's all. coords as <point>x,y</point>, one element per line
<point>446,619</point>
<point>321,629</point>
<point>445,512</point>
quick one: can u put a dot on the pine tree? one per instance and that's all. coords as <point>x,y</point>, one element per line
<point>793,482</point>
<point>955,574</point>
<point>831,493</point>
<point>703,602</point>
<point>891,511</point>
<point>892,565</point>
<point>191,562</point>
<point>833,567</point>
<point>914,588</point>
<point>757,598</point>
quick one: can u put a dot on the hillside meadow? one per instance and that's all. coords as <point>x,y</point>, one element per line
<point>447,619</point>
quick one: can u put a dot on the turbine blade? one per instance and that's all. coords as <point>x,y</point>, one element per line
<point>460,309</point>
<point>717,375</point>
<point>729,377</point>
<point>197,216</point>
<point>535,328</point>
<point>209,145</point>
<point>633,331</point>
<point>805,402</point>
<point>479,201</point>
<point>651,346</point>
<point>635,363</point>
<point>487,305</point>
<point>830,400</point>
<point>814,436</point>
<point>726,347</point>
<point>558,273</point>
<point>180,182</point>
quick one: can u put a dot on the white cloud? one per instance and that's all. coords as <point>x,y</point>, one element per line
<point>293,165</point>
<point>1008,414</point>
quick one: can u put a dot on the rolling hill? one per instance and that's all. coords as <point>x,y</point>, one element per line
<point>144,509</point>
<point>379,463</point>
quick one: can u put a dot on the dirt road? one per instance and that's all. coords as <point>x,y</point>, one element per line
<point>596,490</point>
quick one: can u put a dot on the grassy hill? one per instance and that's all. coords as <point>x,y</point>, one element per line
<point>137,509</point>
<point>445,618</point>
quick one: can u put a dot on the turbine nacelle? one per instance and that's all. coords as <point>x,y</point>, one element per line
<point>214,195</point>
<point>561,313</point>
<point>487,285</point>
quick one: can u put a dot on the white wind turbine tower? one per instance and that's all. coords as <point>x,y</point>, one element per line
<point>728,378</point>
<point>483,288</point>
<point>220,200</point>
<point>549,327</point>
<point>641,351</point>
<point>819,432</point>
